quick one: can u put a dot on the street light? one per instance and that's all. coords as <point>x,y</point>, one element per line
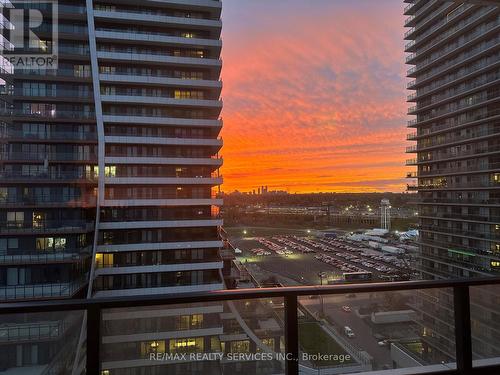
<point>322,309</point>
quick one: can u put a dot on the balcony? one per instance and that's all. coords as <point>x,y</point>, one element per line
<point>159,120</point>
<point>138,17</point>
<point>160,224</point>
<point>166,80</point>
<point>454,49</point>
<point>158,100</point>
<point>80,157</point>
<point>215,161</point>
<point>48,200</point>
<point>46,226</point>
<point>288,325</point>
<point>161,202</point>
<point>49,114</point>
<point>159,58</point>
<point>49,176</point>
<point>451,32</point>
<point>114,35</point>
<point>422,25</point>
<point>215,142</point>
<point>63,256</point>
<point>41,291</point>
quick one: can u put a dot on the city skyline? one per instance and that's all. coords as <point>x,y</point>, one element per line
<point>295,140</point>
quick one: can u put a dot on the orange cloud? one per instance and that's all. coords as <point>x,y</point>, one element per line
<point>314,100</point>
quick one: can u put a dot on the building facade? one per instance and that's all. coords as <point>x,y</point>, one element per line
<point>454,52</point>
<point>109,166</point>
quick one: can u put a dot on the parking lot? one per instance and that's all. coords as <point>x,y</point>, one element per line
<point>305,258</point>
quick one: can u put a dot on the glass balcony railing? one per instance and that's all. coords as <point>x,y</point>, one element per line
<point>48,175</point>
<point>415,327</point>
<point>47,226</point>
<point>48,200</point>
<point>43,291</point>
<point>154,34</point>
<point>48,113</point>
<point>52,156</point>
<point>65,255</point>
<point>464,185</point>
<point>49,135</point>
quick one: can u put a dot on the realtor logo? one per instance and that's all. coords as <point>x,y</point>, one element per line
<point>30,33</point>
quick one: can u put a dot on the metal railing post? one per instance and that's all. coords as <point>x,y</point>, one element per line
<point>291,336</point>
<point>463,341</point>
<point>93,339</point>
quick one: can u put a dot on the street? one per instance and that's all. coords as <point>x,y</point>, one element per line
<point>363,339</point>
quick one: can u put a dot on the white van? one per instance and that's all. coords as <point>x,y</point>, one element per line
<point>348,332</point>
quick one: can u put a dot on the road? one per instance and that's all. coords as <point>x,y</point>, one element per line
<point>363,339</point>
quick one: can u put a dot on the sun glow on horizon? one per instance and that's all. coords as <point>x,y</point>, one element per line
<point>314,96</point>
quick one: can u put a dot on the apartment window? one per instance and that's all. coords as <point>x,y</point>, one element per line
<point>8,244</point>
<point>152,347</point>
<point>186,345</point>
<point>197,320</point>
<point>240,346</point>
<point>269,342</point>
<point>190,322</point>
<point>104,260</point>
<point>50,243</point>
<point>34,130</point>
<point>17,276</point>
<point>188,94</point>
<point>15,219</point>
<point>82,71</point>
<point>38,219</point>
<point>81,240</point>
<point>197,254</point>
<point>196,277</point>
<point>59,243</point>
<point>110,171</point>
<point>39,109</point>
<point>4,194</point>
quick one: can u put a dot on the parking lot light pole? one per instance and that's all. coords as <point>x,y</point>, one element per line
<point>322,309</point>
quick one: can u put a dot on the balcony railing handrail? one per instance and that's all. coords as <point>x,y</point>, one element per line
<point>238,294</point>
<point>93,307</point>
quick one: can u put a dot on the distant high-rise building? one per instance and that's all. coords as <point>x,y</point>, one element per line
<point>454,50</point>
<point>108,164</point>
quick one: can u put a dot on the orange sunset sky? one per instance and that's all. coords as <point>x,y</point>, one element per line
<point>314,95</point>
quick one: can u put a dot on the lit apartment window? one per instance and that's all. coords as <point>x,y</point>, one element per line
<point>50,243</point>
<point>110,171</point>
<point>38,219</point>
<point>240,346</point>
<point>152,347</point>
<point>186,345</point>
<point>104,260</point>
